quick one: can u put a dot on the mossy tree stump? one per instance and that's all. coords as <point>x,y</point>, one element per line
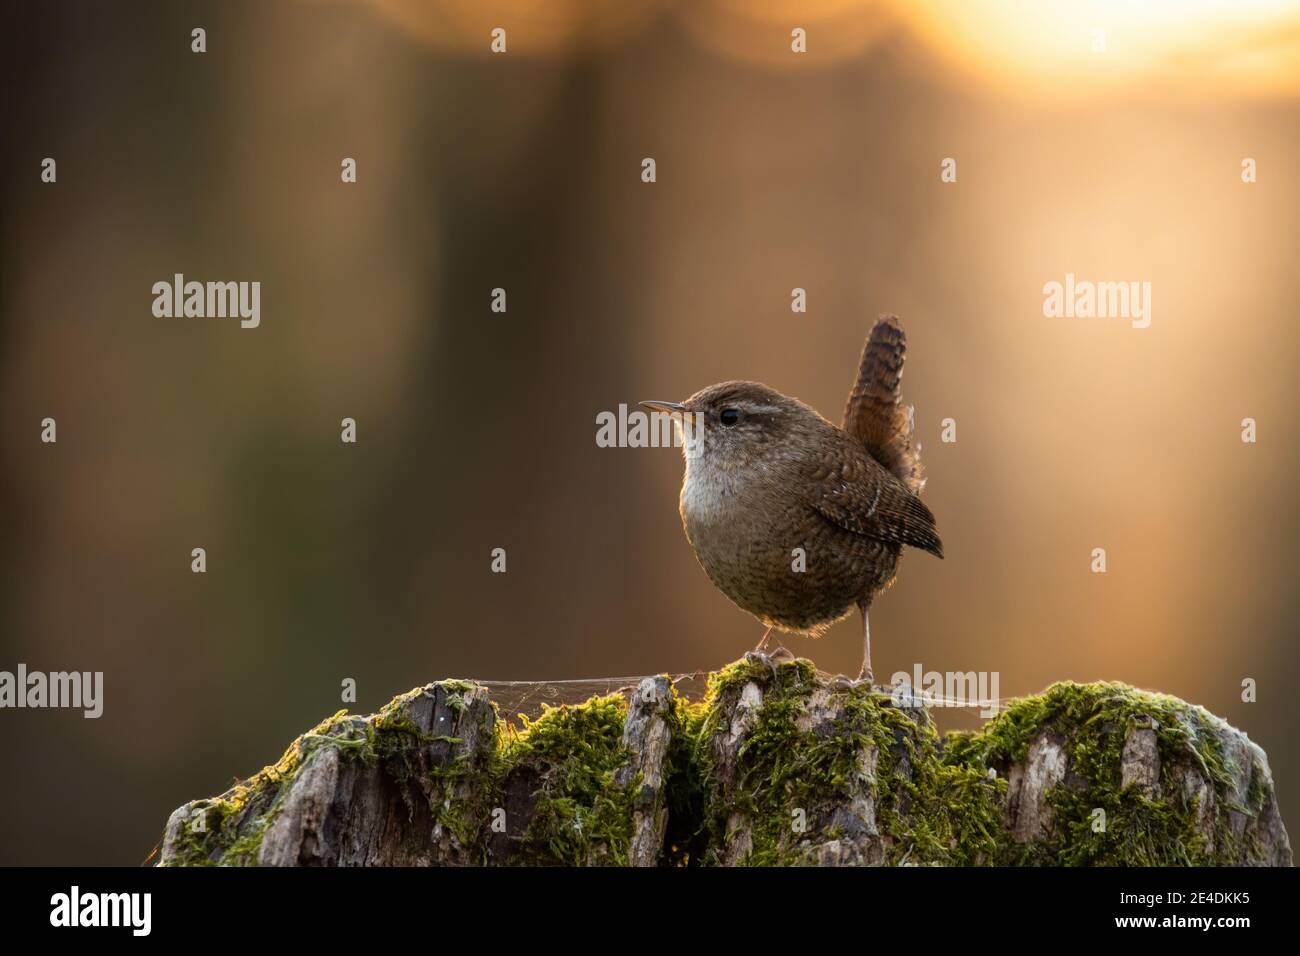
<point>775,766</point>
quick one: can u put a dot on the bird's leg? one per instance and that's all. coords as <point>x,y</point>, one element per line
<point>765,642</point>
<point>865,674</point>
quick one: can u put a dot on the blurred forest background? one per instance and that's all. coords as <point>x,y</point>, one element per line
<point>477,430</point>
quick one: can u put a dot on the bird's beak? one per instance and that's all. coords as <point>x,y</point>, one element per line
<point>672,408</point>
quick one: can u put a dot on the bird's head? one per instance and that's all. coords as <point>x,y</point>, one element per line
<point>733,423</point>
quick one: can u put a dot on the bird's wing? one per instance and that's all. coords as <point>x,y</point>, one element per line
<point>875,414</point>
<point>860,497</point>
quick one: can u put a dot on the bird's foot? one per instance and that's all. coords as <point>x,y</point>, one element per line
<point>842,683</point>
<point>764,652</point>
<point>771,661</point>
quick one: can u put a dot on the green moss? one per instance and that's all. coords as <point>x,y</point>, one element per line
<point>790,787</point>
<point>1094,721</point>
<point>784,778</point>
<point>234,823</point>
<point>579,816</point>
<point>793,777</point>
<point>943,805</point>
<point>685,776</point>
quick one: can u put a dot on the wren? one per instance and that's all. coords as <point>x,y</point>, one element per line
<point>795,520</point>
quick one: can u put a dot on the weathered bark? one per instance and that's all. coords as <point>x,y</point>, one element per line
<point>777,766</point>
<point>647,734</point>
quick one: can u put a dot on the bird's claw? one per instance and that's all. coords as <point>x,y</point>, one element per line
<point>863,680</point>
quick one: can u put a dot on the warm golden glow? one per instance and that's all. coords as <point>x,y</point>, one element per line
<point>1033,47</point>
<point>1210,46</point>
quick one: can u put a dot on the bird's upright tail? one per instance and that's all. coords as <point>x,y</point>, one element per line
<point>875,413</point>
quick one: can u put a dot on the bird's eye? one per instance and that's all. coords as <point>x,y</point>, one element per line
<point>729,416</point>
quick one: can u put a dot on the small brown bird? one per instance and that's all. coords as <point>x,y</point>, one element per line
<point>792,518</point>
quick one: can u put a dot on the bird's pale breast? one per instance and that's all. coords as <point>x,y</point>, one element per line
<point>772,554</point>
